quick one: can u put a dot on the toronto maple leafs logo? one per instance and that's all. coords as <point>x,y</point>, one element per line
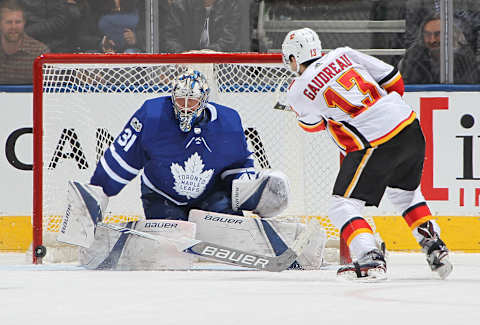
<point>191,180</point>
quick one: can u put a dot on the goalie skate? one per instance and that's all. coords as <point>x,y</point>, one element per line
<point>370,267</point>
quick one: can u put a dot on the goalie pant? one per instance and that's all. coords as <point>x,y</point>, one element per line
<point>112,250</point>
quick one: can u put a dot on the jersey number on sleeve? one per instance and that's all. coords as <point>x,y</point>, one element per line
<point>347,81</point>
<point>126,139</point>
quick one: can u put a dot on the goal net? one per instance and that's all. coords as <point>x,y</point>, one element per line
<point>82,102</point>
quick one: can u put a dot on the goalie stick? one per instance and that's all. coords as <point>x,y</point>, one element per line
<point>226,254</point>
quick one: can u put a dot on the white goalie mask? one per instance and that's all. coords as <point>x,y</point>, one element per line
<point>189,95</point>
<point>303,44</point>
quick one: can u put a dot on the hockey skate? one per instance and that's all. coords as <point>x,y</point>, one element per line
<point>370,267</point>
<point>436,250</point>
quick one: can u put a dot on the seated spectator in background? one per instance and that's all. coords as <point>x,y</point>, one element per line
<point>50,21</point>
<point>202,24</point>
<point>465,12</point>
<point>119,25</point>
<point>421,63</point>
<point>17,50</point>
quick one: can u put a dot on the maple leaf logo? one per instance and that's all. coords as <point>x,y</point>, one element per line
<point>191,180</point>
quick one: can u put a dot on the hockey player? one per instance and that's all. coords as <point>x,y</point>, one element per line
<point>358,100</point>
<point>190,151</point>
<point>190,154</point>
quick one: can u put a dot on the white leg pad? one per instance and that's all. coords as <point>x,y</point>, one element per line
<point>260,236</point>
<point>113,250</point>
<point>231,231</point>
<point>86,204</point>
<point>312,255</point>
<point>311,258</point>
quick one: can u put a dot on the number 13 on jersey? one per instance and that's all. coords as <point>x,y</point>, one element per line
<point>348,80</point>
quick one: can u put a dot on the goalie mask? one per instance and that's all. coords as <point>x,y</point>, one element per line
<point>303,44</point>
<point>189,96</point>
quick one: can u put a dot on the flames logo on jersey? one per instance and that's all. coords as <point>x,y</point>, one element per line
<point>191,180</point>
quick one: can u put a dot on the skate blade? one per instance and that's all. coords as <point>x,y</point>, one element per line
<point>373,275</point>
<point>444,270</point>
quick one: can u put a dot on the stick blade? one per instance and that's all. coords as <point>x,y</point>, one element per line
<point>237,257</point>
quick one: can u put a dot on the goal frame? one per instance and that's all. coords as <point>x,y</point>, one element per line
<point>185,58</point>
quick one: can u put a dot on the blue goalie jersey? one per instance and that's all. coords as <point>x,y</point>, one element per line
<point>182,167</point>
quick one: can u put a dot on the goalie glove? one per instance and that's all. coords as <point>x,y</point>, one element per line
<point>266,195</point>
<point>86,205</point>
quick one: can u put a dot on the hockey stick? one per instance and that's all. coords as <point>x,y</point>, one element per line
<point>226,254</point>
<point>280,94</point>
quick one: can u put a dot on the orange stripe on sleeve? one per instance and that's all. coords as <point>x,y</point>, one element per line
<point>312,128</point>
<point>395,84</point>
<point>345,139</point>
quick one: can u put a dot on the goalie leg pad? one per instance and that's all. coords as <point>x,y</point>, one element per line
<point>311,258</point>
<point>144,254</point>
<point>121,251</point>
<point>266,195</point>
<point>105,250</point>
<point>86,204</point>
<point>261,236</point>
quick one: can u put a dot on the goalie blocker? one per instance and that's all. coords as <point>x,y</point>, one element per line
<point>266,195</point>
<point>112,249</point>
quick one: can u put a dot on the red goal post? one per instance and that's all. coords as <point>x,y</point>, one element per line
<point>81,102</point>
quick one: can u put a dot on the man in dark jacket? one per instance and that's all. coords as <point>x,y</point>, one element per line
<point>198,25</point>
<point>421,63</point>
<point>50,22</point>
<point>465,12</point>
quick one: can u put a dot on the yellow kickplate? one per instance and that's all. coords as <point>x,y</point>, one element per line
<point>15,233</point>
<point>460,233</point>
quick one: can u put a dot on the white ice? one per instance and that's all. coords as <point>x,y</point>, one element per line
<point>64,294</point>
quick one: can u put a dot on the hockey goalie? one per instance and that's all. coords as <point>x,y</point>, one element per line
<point>197,181</point>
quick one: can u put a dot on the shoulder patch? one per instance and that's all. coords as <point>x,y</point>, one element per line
<point>136,125</point>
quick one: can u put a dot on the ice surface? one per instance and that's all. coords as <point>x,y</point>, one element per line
<point>67,294</point>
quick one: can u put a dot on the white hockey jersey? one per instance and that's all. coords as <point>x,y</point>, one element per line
<point>344,92</point>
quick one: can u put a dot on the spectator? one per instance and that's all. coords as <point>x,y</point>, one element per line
<point>421,64</point>
<point>465,12</point>
<point>206,24</point>
<point>121,24</point>
<point>50,21</point>
<point>17,50</point>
